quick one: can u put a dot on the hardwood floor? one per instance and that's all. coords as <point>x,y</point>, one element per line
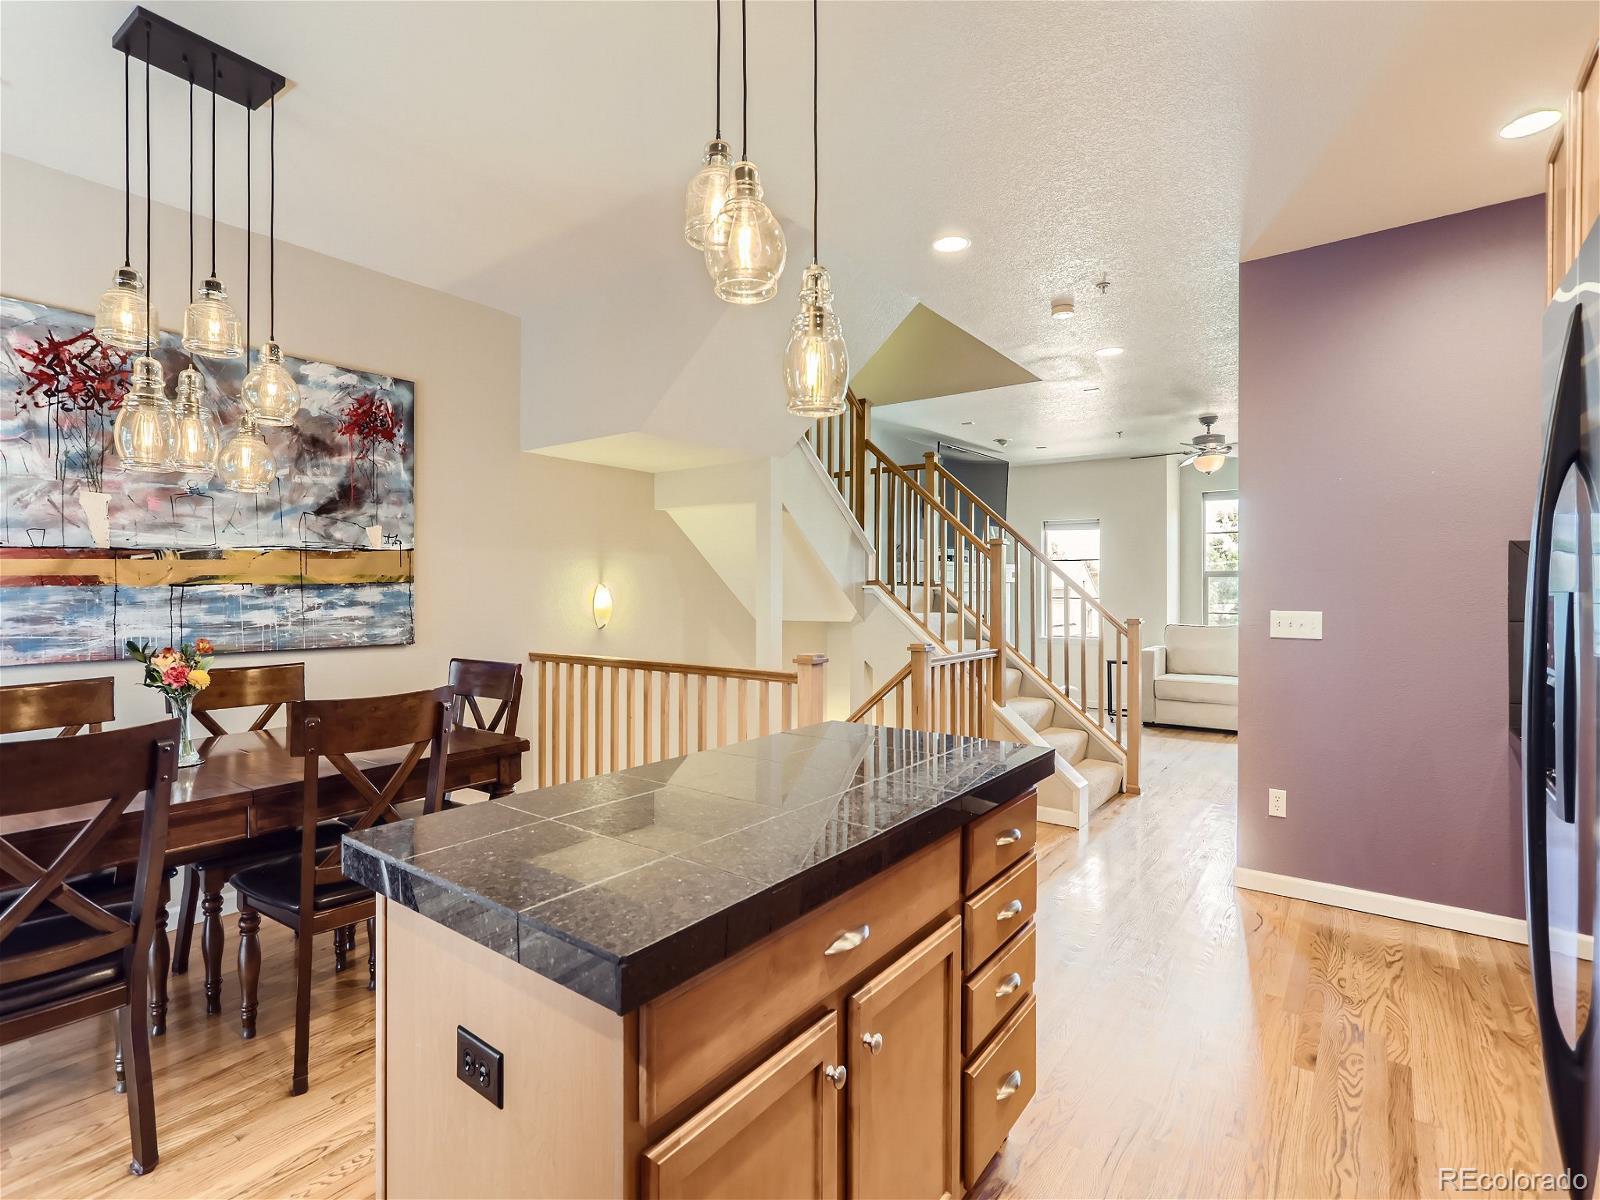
<point>1194,1040</point>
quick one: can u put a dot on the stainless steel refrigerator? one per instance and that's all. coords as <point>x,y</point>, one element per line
<point>1561,716</point>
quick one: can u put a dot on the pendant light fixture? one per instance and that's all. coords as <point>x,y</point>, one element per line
<point>123,313</point>
<point>816,363</point>
<point>269,390</point>
<point>210,325</point>
<point>745,250</point>
<point>708,190</point>
<point>245,464</point>
<point>194,439</point>
<point>143,431</point>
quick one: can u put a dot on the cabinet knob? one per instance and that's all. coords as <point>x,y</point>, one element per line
<point>847,941</point>
<point>1009,838</point>
<point>1014,909</point>
<point>1008,985</point>
<point>837,1076</point>
<point>1008,1086</point>
<point>872,1041</point>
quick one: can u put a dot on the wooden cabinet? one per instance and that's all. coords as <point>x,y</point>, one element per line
<point>998,1084</point>
<point>774,1133</point>
<point>1572,174</point>
<point>903,1035</point>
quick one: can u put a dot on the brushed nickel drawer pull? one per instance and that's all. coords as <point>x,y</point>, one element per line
<point>847,941</point>
<point>1014,909</point>
<point>1008,985</point>
<point>1009,838</point>
<point>1008,1086</point>
<point>837,1076</point>
<point>872,1041</point>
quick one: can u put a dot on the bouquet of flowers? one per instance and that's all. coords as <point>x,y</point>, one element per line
<point>178,674</point>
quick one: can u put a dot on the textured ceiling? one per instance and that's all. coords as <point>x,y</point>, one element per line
<point>520,154</point>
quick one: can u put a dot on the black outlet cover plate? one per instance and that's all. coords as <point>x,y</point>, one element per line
<point>480,1066</point>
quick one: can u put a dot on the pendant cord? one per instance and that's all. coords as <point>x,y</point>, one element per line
<point>191,183</point>
<point>718,3</point>
<point>249,275</point>
<point>816,174</point>
<point>272,218</point>
<point>213,166</point>
<point>149,267</point>
<point>127,160</point>
<point>744,81</point>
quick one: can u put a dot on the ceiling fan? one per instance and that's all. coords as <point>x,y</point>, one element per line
<point>1206,453</point>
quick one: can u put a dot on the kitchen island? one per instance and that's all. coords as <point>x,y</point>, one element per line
<point>800,965</point>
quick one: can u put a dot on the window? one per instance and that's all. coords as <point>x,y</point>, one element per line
<point>1220,523</point>
<point>1074,546</point>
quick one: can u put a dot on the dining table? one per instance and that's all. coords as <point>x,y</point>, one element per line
<point>247,786</point>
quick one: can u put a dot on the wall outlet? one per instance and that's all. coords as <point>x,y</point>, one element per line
<point>1277,802</point>
<point>1291,624</point>
<point>480,1066</point>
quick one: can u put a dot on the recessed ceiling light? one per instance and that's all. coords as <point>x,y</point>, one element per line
<point>1061,310</point>
<point>1529,124</point>
<point>951,243</point>
<point>1108,352</point>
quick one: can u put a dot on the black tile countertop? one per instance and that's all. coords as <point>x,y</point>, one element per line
<point>623,886</point>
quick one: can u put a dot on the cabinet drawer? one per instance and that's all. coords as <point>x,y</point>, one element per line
<point>1001,909</point>
<point>996,1088</point>
<point>698,1032</point>
<point>997,990</point>
<point>995,841</point>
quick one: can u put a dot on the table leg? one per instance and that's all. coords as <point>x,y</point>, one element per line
<point>185,931</point>
<point>160,957</point>
<point>211,938</point>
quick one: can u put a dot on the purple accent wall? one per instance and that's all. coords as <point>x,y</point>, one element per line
<point>1418,349</point>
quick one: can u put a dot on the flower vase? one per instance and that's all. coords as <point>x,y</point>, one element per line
<point>188,756</point>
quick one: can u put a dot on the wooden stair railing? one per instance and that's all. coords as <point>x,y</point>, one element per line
<point>594,715</point>
<point>937,693</point>
<point>950,560</point>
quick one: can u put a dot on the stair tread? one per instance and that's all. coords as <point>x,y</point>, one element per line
<point>1103,777</point>
<point>1035,710</point>
<point>1070,743</point>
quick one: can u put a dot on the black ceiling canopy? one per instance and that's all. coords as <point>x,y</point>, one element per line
<point>187,55</point>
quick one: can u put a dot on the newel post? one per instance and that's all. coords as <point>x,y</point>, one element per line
<point>921,707</point>
<point>811,694</point>
<point>930,469</point>
<point>1135,707</point>
<point>997,618</point>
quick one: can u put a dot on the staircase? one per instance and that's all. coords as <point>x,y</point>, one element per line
<point>1067,671</point>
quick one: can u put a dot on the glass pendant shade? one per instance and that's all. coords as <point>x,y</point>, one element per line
<point>270,390</point>
<point>245,464</point>
<point>816,363</point>
<point>194,439</point>
<point>706,194</point>
<point>745,250</point>
<point>143,433</point>
<point>211,328</point>
<point>1210,464</point>
<point>122,317</point>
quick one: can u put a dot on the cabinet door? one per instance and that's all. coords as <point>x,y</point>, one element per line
<point>775,1133</point>
<point>904,1055</point>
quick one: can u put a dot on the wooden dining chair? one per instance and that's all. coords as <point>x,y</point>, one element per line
<point>268,689</point>
<point>70,705</point>
<point>475,684</point>
<point>308,891</point>
<point>86,958</point>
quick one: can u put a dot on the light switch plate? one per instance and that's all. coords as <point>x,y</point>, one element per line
<point>1286,623</point>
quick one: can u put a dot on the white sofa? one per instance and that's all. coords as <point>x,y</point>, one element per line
<point>1193,678</point>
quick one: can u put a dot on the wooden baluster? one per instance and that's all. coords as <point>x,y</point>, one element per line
<point>683,716</point>
<point>786,705</point>
<point>648,708</point>
<point>614,746</point>
<point>1033,611</point>
<point>860,426</point>
<point>764,701</point>
<point>1135,694</point>
<point>997,641</point>
<point>1083,657</point>
<point>540,721</point>
<point>744,711</point>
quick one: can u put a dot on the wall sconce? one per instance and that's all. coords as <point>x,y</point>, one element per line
<point>602,605</point>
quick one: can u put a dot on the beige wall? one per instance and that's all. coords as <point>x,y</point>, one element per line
<point>1192,487</point>
<point>509,545</point>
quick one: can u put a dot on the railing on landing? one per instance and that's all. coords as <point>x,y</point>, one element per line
<point>951,562</point>
<point>937,693</point>
<point>594,715</point>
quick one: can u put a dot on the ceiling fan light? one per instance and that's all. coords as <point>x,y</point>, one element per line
<point>1210,464</point>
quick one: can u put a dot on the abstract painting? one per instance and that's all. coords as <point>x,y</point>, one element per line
<point>91,556</point>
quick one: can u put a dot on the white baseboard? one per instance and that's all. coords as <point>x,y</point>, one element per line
<point>1059,816</point>
<point>1403,908</point>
